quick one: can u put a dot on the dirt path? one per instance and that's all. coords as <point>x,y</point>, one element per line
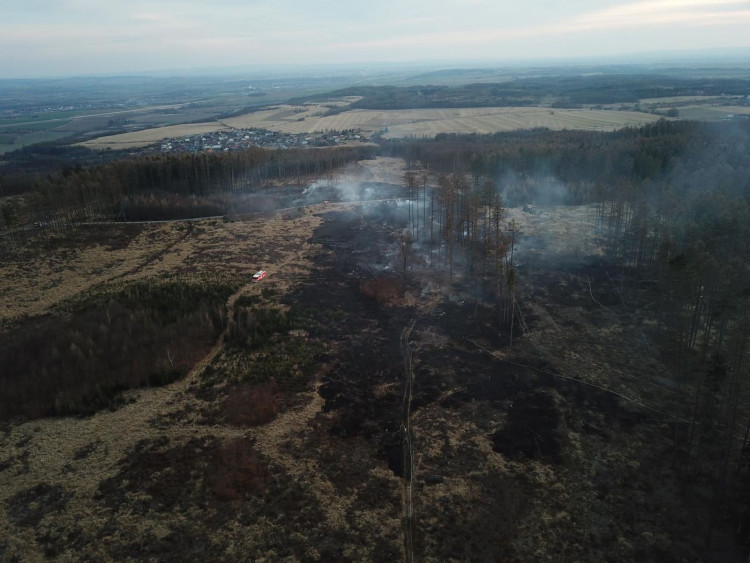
<point>408,518</point>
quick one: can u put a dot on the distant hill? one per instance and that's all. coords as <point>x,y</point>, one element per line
<point>557,91</point>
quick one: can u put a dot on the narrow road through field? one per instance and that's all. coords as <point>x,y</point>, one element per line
<point>408,518</point>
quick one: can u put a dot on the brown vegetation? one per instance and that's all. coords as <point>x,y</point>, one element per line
<point>236,471</point>
<point>384,289</point>
<point>251,405</point>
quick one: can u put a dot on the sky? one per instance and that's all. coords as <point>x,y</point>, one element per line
<point>40,38</point>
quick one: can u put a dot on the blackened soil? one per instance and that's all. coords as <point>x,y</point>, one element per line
<point>366,357</point>
<point>27,508</point>
<point>366,332</point>
<point>533,430</point>
<point>484,531</point>
<point>228,480</point>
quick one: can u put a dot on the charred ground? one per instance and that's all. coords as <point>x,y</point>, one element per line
<point>559,441</point>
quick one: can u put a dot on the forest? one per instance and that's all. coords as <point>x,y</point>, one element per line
<point>673,213</point>
<point>673,218</point>
<point>156,188</point>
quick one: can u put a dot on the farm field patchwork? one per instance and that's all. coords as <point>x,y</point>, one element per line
<point>429,122</point>
<point>399,123</point>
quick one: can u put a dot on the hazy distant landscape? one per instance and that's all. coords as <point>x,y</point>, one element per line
<point>118,113</point>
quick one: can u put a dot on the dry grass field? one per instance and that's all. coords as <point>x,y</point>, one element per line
<point>429,122</point>
<point>700,108</point>
<point>682,99</point>
<point>32,285</point>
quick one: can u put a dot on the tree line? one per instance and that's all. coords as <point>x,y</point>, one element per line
<point>170,186</point>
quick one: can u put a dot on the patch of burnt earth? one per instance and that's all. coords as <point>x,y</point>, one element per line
<point>154,476</point>
<point>345,462</point>
<point>56,539</point>
<point>539,406</point>
<point>20,462</point>
<point>366,355</point>
<point>85,451</point>
<point>473,529</point>
<point>466,321</point>
<point>596,411</point>
<point>28,507</point>
<point>535,429</point>
<point>222,484</point>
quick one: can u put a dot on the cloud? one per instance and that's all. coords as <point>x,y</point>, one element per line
<point>661,13</point>
<point>176,33</point>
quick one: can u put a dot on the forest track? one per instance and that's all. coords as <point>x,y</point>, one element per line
<point>408,515</point>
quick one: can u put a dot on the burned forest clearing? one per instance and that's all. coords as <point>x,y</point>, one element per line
<point>432,370</point>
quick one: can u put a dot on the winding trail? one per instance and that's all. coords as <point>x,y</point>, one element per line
<point>408,517</point>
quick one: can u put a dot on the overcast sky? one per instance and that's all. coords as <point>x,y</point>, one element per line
<point>73,37</point>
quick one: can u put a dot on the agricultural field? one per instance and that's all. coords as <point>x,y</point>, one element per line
<point>310,118</point>
<point>429,122</point>
<point>712,113</point>
<point>79,109</point>
<point>699,108</point>
<point>18,133</point>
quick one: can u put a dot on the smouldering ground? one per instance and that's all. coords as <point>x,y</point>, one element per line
<point>69,488</point>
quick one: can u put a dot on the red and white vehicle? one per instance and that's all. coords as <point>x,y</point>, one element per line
<point>259,275</point>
